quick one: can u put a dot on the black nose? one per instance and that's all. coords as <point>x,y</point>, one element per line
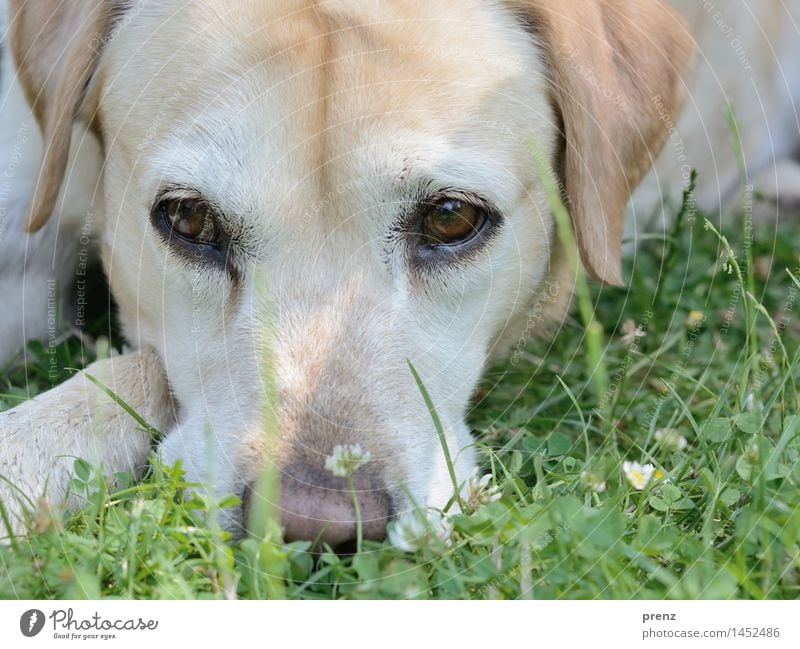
<point>316,506</point>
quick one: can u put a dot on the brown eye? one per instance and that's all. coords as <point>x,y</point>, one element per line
<point>190,219</point>
<point>452,221</point>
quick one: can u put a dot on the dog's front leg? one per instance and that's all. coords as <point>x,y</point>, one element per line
<point>40,439</point>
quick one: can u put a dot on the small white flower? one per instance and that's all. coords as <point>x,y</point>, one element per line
<point>593,482</point>
<point>415,530</point>
<point>480,491</point>
<point>640,476</point>
<point>670,439</point>
<point>753,455</point>
<point>631,332</point>
<point>346,459</point>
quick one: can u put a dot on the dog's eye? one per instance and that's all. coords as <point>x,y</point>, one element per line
<point>451,221</point>
<point>190,219</point>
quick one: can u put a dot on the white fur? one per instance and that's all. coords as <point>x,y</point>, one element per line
<point>324,303</point>
<point>37,272</point>
<point>338,315</point>
<point>38,450</point>
<point>748,55</point>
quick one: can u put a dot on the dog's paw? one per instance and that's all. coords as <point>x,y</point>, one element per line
<point>82,418</point>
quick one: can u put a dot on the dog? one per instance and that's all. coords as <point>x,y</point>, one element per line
<point>292,200</point>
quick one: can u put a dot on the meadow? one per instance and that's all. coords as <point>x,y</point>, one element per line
<point>647,450</point>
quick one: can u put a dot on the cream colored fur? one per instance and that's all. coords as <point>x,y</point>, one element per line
<point>312,123</point>
<point>41,438</point>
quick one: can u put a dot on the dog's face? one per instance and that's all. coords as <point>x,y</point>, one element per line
<point>303,197</point>
<point>372,199</point>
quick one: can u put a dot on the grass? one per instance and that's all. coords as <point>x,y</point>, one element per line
<point>702,347</point>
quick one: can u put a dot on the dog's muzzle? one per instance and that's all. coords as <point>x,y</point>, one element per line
<point>318,507</point>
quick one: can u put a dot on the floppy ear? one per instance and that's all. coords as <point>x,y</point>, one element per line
<point>616,69</point>
<point>56,45</point>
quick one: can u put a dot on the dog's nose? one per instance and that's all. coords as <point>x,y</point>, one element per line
<point>316,506</point>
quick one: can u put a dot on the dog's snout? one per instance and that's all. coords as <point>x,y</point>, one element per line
<point>316,506</point>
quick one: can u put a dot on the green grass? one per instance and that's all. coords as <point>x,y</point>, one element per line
<point>723,522</point>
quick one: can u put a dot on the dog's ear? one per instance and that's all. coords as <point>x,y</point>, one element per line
<point>56,45</point>
<point>615,68</point>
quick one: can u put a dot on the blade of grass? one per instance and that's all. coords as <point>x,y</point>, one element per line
<point>439,431</point>
<point>593,328</point>
<point>155,434</point>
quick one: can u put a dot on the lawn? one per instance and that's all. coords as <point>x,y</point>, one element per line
<point>699,378</point>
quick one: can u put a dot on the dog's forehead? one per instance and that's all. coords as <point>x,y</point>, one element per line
<point>364,56</point>
<point>287,90</point>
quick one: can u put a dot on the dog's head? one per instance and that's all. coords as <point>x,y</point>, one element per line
<point>303,196</point>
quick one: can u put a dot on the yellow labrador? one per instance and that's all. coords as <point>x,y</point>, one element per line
<point>296,198</point>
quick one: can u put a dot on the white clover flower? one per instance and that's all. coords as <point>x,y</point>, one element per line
<point>414,530</point>
<point>670,439</point>
<point>631,332</point>
<point>406,532</point>
<point>639,476</point>
<point>346,459</point>
<point>753,454</point>
<point>593,482</point>
<point>480,491</point>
